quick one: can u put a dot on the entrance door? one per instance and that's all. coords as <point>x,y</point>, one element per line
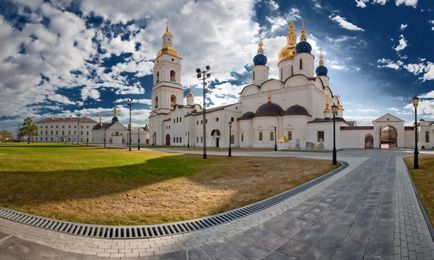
<point>167,139</point>
<point>369,142</point>
<point>388,137</point>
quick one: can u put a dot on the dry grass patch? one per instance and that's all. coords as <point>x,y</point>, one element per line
<point>423,179</point>
<point>112,186</point>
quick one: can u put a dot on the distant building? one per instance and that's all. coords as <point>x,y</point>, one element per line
<point>88,131</point>
<point>65,129</point>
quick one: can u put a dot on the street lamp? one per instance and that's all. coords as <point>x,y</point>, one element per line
<point>78,128</point>
<point>203,75</point>
<point>416,152</point>
<point>275,140</point>
<point>138,138</point>
<point>130,104</point>
<point>105,136</point>
<point>230,139</point>
<point>334,111</point>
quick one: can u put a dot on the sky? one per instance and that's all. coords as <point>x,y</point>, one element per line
<point>82,58</point>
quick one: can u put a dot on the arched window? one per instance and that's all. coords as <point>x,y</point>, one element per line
<point>301,64</point>
<point>172,76</point>
<point>156,102</point>
<point>172,101</point>
<point>157,77</point>
<point>253,75</point>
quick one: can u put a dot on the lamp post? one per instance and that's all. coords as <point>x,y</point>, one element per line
<point>78,129</point>
<point>130,104</point>
<point>416,152</point>
<point>105,136</point>
<point>334,111</point>
<point>188,139</point>
<point>230,139</point>
<point>275,140</point>
<point>138,138</point>
<point>203,75</point>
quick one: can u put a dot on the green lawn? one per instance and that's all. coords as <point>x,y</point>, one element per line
<point>114,186</point>
<point>423,178</point>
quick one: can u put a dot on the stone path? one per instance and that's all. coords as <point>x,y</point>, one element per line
<point>368,211</point>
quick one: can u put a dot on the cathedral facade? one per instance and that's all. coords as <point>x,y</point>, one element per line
<point>293,111</point>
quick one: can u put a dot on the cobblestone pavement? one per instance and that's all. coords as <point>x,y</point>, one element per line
<point>367,211</point>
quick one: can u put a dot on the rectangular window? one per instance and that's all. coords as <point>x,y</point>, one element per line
<point>320,135</point>
<point>289,135</point>
<point>242,137</point>
<point>197,139</point>
<point>260,136</point>
<point>180,139</point>
<point>271,136</point>
<point>426,137</point>
<point>201,139</point>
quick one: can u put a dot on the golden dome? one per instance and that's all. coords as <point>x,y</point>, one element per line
<point>167,44</point>
<point>288,51</point>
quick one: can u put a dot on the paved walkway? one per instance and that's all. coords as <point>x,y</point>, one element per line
<point>367,211</point>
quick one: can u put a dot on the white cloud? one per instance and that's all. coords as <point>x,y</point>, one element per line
<point>361,3</point>
<point>403,26</point>
<point>411,3</point>
<point>402,43</point>
<point>386,63</point>
<point>345,24</point>
<point>276,22</point>
<point>423,67</point>
<point>88,92</point>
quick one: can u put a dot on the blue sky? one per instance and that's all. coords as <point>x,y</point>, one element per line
<point>85,57</point>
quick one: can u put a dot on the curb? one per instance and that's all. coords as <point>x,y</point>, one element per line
<point>159,230</point>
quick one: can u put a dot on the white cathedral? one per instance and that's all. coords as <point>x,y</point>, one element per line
<point>293,111</point>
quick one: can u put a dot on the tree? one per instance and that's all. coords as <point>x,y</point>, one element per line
<point>29,129</point>
<point>5,136</point>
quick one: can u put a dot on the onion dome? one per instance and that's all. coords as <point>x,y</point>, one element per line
<point>115,115</point>
<point>260,58</point>
<point>167,44</point>
<point>288,51</point>
<point>296,110</point>
<point>247,116</point>
<point>321,70</point>
<point>269,109</point>
<point>303,46</point>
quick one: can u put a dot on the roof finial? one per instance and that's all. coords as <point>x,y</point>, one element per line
<point>321,57</point>
<point>115,111</point>
<point>303,36</point>
<point>269,97</point>
<point>260,45</point>
<point>292,36</point>
<point>100,119</point>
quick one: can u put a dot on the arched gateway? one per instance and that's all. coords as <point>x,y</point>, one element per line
<point>388,137</point>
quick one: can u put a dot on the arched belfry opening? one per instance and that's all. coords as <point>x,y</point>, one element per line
<point>172,101</point>
<point>172,76</point>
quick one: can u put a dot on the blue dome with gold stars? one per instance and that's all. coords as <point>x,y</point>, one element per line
<point>303,47</point>
<point>321,70</point>
<point>260,59</point>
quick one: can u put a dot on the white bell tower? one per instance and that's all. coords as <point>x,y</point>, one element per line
<point>167,90</point>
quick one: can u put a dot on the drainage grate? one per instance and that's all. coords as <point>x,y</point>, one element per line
<point>151,231</point>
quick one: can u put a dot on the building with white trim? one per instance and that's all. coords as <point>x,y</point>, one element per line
<point>294,108</point>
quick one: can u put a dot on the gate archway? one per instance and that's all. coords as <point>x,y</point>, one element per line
<point>388,137</point>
